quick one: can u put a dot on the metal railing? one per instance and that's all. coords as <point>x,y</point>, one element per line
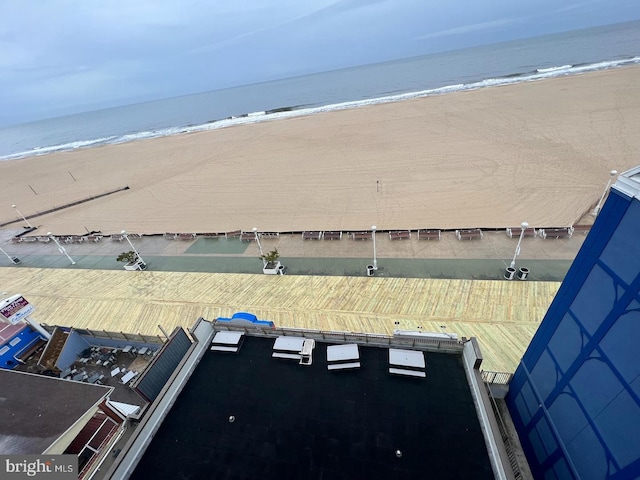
<point>420,343</point>
<point>497,378</point>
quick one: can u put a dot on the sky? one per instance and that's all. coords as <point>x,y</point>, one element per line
<point>68,56</point>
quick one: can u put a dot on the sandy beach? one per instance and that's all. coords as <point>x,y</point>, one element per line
<point>539,152</point>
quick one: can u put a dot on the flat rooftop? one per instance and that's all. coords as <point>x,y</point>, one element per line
<point>294,421</point>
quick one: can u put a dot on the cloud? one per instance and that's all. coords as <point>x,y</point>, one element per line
<point>473,28</point>
<point>576,6</point>
<point>75,52</point>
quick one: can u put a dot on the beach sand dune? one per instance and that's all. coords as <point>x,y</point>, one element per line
<point>539,152</point>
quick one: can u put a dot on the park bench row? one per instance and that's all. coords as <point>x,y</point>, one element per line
<point>248,236</point>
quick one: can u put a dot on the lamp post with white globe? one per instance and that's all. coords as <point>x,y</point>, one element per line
<point>612,175</point>
<point>375,259</point>
<point>524,226</point>
<point>21,215</point>
<point>61,248</point>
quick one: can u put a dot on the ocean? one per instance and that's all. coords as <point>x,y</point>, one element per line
<point>568,53</point>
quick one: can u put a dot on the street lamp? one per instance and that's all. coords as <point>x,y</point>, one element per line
<point>523,226</point>
<point>255,232</point>
<point>60,247</point>
<point>375,260</point>
<point>124,234</point>
<point>13,260</point>
<point>23,217</point>
<point>612,175</point>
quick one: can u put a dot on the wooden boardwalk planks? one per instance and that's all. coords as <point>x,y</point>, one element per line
<point>503,315</point>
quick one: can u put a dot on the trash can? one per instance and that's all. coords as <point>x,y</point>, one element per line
<point>15,260</point>
<point>523,273</point>
<point>509,273</point>
<point>370,270</point>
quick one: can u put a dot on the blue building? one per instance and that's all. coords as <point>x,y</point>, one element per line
<point>575,397</point>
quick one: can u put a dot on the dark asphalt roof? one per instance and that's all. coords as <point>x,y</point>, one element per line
<point>36,410</point>
<point>295,422</point>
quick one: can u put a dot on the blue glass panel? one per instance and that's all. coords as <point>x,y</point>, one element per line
<point>529,398</point>
<point>565,344</point>
<point>595,385</point>
<point>538,448</point>
<point>522,409</point>
<point>562,470</point>
<point>588,456</point>
<point>594,300</point>
<point>619,425</point>
<point>544,374</point>
<point>547,438</point>
<point>635,386</point>
<point>621,344</point>
<point>567,417</point>
<point>622,253</point>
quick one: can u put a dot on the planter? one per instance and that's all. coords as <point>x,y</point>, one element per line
<point>137,265</point>
<point>271,268</point>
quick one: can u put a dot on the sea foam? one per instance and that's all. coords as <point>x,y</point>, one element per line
<point>289,112</point>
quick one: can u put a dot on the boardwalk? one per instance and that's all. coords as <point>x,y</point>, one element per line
<point>503,315</point>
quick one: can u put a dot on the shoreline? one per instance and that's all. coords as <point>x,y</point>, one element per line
<point>492,157</point>
<point>293,111</point>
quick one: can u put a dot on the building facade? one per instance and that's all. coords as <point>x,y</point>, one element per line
<point>575,397</point>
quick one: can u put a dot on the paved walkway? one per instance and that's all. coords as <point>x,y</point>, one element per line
<point>448,258</point>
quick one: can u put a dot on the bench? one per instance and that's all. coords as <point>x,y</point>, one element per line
<point>332,235</point>
<point>29,239</point>
<point>565,232</point>
<point>343,366</point>
<point>94,238</point>
<point>248,236</point>
<point>74,239</point>
<point>42,239</point>
<point>399,234</point>
<point>515,232</point>
<point>117,238</point>
<point>470,234</point>
<point>170,236</point>
<point>234,234</point>
<point>408,373</point>
<point>289,356</point>
<point>16,240</point>
<point>269,234</point>
<point>186,236</point>
<point>429,235</point>
<point>311,235</point>
<point>220,348</point>
<point>361,235</point>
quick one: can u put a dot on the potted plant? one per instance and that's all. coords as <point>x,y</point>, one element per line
<point>133,262</point>
<point>271,264</point>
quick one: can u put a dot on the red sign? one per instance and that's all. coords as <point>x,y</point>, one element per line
<point>9,310</point>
